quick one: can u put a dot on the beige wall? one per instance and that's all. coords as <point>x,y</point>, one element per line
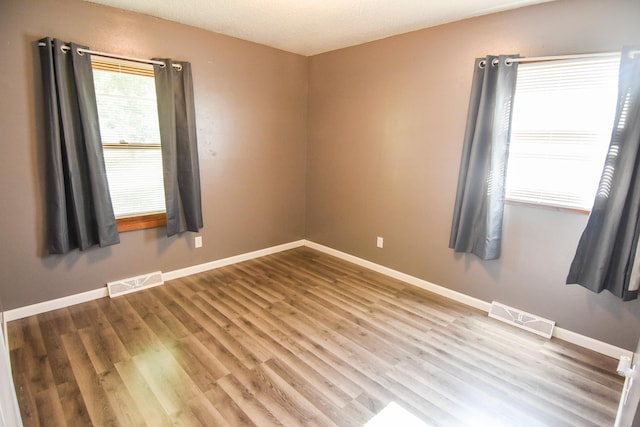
<point>385,129</point>
<point>386,124</point>
<point>251,104</point>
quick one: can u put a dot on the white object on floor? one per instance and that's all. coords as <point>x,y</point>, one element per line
<point>394,415</point>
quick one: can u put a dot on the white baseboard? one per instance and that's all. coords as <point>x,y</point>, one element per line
<point>176,274</point>
<point>591,343</point>
<point>436,289</point>
<point>42,307</point>
<point>560,333</point>
<point>54,304</point>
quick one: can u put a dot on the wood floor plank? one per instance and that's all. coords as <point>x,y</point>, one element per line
<point>247,348</point>
<point>133,332</point>
<point>142,395</point>
<point>495,376</point>
<point>332,375</point>
<point>565,380</point>
<point>270,337</point>
<point>296,401</point>
<point>261,286</point>
<point>239,345</point>
<point>244,290</point>
<point>35,357</point>
<point>50,410</point>
<point>232,413</point>
<point>168,297</point>
<point>296,365</point>
<point>292,340</point>
<point>297,338</point>
<point>171,385</point>
<point>147,305</point>
<point>252,407</point>
<point>471,402</point>
<point>206,413</point>
<point>351,328</point>
<point>335,412</point>
<point>125,408</point>
<point>521,373</point>
<point>28,408</point>
<point>15,336</point>
<point>204,369</point>
<point>63,320</point>
<point>89,383</point>
<point>84,316</point>
<point>431,405</point>
<point>459,411</point>
<point>103,347</point>
<point>219,302</point>
<point>56,355</point>
<point>73,405</point>
<point>281,273</point>
<point>597,367</point>
<point>400,334</point>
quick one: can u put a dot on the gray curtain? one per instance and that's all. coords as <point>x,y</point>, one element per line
<point>608,246</point>
<point>79,210</point>
<point>176,112</point>
<point>479,206</point>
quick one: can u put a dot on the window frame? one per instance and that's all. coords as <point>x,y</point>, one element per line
<point>514,202</point>
<point>145,220</point>
<point>546,202</point>
<point>141,222</point>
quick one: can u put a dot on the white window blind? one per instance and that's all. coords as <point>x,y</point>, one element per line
<point>563,116</point>
<point>128,116</point>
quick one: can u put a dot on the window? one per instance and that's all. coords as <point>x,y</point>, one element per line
<point>128,116</point>
<point>563,116</point>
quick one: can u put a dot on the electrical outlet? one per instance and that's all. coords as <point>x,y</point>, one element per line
<point>198,241</point>
<point>380,242</point>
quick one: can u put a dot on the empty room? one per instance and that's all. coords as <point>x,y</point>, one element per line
<point>336,213</point>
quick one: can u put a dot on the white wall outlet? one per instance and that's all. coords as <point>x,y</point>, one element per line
<point>380,242</point>
<point>198,241</point>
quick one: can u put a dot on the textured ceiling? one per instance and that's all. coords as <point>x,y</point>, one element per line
<point>309,27</point>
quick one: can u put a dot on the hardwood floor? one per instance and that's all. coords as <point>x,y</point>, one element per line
<point>297,338</point>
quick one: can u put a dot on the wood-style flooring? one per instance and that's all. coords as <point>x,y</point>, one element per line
<point>297,338</point>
